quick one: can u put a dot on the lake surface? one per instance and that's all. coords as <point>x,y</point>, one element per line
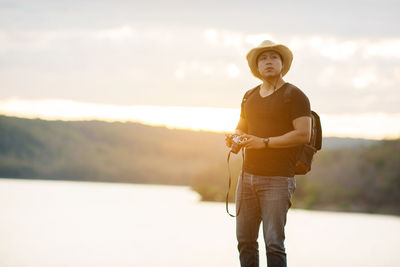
<point>83,224</point>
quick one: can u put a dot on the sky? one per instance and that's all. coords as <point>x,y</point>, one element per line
<point>190,55</point>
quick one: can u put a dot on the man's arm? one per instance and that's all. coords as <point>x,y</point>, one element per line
<point>241,125</point>
<point>299,135</point>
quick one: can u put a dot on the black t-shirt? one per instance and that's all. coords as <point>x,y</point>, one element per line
<point>268,117</point>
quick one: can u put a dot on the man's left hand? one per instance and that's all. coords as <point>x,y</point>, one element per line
<point>253,142</point>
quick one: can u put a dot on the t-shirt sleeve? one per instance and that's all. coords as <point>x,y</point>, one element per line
<point>300,105</point>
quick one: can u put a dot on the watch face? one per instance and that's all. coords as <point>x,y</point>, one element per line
<point>266,141</point>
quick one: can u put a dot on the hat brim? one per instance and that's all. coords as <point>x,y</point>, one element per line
<point>286,54</point>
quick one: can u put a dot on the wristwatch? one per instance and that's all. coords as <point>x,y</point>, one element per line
<point>266,141</point>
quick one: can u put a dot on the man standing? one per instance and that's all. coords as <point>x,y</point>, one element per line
<point>274,129</point>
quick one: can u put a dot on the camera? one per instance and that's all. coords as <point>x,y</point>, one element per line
<point>236,141</point>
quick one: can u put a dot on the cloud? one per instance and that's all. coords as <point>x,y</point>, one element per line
<point>116,34</point>
<point>365,78</point>
<point>327,75</point>
<point>86,62</point>
<point>233,39</point>
<point>194,68</point>
<point>334,49</point>
<point>330,47</point>
<point>388,48</point>
<point>179,73</point>
<point>366,125</point>
<point>211,36</point>
<point>340,49</point>
<point>256,39</point>
<point>233,70</point>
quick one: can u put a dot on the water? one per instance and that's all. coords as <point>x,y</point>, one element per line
<point>59,223</point>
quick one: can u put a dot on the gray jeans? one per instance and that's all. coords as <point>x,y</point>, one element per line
<point>266,199</point>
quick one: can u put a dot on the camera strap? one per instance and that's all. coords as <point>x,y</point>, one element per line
<point>230,182</point>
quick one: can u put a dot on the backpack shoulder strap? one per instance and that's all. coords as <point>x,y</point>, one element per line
<point>249,93</point>
<point>287,96</point>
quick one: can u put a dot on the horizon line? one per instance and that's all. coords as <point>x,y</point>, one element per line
<point>169,127</point>
<point>377,126</point>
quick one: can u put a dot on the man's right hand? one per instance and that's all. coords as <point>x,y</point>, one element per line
<point>228,140</point>
<point>228,137</point>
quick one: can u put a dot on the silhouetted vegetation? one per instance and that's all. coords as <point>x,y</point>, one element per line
<point>359,179</point>
<point>363,178</point>
<point>348,174</point>
<point>104,151</point>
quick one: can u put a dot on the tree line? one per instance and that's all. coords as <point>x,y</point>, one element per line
<point>362,179</point>
<point>348,174</point>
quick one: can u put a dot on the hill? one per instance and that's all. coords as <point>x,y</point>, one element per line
<point>104,151</point>
<point>363,178</point>
<point>348,174</point>
<point>111,151</point>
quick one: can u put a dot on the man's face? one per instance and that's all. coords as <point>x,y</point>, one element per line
<point>269,64</point>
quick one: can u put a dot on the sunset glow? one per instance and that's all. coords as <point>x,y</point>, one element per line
<point>365,125</point>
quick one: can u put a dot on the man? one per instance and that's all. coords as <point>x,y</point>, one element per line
<point>274,129</point>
